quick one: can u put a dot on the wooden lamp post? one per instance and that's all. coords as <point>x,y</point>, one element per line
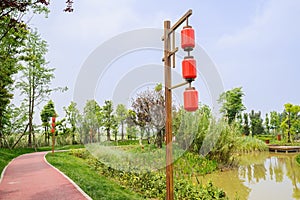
<point>189,74</point>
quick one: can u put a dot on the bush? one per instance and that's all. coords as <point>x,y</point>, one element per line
<point>249,144</point>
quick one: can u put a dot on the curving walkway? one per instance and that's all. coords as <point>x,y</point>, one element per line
<point>29,176</point>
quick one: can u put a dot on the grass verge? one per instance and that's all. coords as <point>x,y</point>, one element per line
<point>95,185</point>
<point>6,155</point>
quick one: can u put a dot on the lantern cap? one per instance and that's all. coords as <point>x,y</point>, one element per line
<point>188,57</point>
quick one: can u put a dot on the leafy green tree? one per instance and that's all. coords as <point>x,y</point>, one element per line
<point>46,114</point>
<point>131,128</point>
<point>232,103</point>
<point>121,115</point>
<point>36,77</point>
<point>72,118</point>
<point>274,121</point>
<point>13,33</point>
<point>109,119</point>
<point>256,123</point>
<point>290,123</point>
<point>246,124</point>
<point>90,120</point>
<point>267,123</point>
<point>11,45</point>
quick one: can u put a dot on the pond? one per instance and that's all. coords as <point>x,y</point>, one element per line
<point>260,176</point>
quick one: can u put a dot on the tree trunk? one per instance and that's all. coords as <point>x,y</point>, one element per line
<point>108,134</point>
<point>122,130</point>
<point>289,128</point>
<point>159,139</point>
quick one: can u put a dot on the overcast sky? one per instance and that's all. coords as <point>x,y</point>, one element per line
<point>253,44</point>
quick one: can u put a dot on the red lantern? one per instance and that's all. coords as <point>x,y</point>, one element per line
<point>187,38</point>
<point>189,69</point>
<point>190,99</point>
<point>52,130</point>
<point>53,119</point>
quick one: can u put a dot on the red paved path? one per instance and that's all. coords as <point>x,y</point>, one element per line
<point>30,177</point>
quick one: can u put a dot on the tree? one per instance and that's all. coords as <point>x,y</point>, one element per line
<point>267,123</point>
<point>232,103</point>
<point>274,121</point>
<point>256,123</point>
<point>72,117</point>
<point>46,114</point>
<point>13,32</point>
<point>121,116</point>
<point>10,49</point>
<point>149,106</point>
<point>246,124</point>
<point>290,123</point>
<point>36,77</point>
<point>90,120</point>
<point>109,119</point>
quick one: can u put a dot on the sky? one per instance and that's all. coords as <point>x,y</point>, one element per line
<point>252,44</point>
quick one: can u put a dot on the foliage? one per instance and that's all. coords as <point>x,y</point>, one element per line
<point>291,121</point>
<point>298,159</point>
<point>149,110</point>
<point>121,115</point>
<point>274,121</point>
<point>224,146</point>
<point>232,103</point>
<point>249,144</point>
<point>152,184</point>
<point>36,77</point>
<point>267,124</point>
<point>11,43</point>
<point>46,114</point>
<point>95,185</point>
<point>109,119</point>
<point>90,124</point>
<point>13,33</point>
<point>256,123</point>
<point>72,118</point>
<point>246,128</point>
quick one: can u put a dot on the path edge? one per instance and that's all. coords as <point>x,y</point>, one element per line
<point>71,181</point>
<point>4,170</point>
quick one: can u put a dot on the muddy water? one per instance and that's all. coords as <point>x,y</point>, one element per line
<point>260,176</point>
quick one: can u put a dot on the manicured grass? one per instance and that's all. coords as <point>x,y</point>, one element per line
<point>66,147</point>
<point>95,185</point>
<point>6,155</point>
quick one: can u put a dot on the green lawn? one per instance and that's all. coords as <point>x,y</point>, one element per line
<point>95,185</point>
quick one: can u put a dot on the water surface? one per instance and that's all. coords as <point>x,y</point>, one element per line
<point>260,176</point>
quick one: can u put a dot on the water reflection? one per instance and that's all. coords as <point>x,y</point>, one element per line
<point>261,176</point>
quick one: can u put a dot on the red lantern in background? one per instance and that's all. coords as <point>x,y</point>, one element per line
<point>190,99</point>
<point>53,119</point>
<point>187,38</point>
<point>189,69</point>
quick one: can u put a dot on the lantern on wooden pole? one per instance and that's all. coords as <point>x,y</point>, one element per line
<point>189,73</point>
